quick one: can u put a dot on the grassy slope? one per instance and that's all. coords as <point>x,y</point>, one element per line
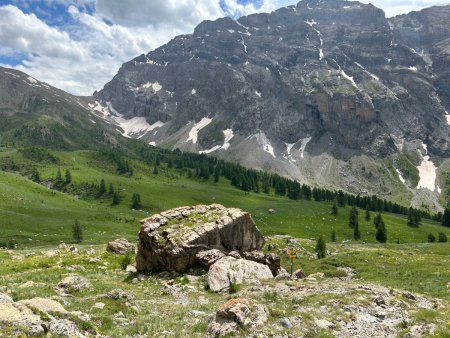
<point>31,211</point>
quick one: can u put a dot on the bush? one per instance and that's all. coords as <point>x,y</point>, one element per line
<point>234,288</point>
<point>442,237</point>
<point>431,238</point>
<point>127,259</point>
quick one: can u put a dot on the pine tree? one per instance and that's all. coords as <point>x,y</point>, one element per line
<point>116,198</point>
<point>353,219</point>
<point>446,218</point>
<point>136,201</point>
<point>333,236</point>
<point>77,232</point>
<point>367,213</point>
<point>111,189</point>
<point>102,188</point>
<point>377,220</point>
<point>356,233</point>
<point>411,221</point>
<point>334,208</point>
<point>35,176</point>
<point>58,179</point>
<point>381,235</point>
<point>431,238</point>
<point>156,171</point>
<point>68,176</point>
<point>321,248</point>
<point>216,174</point>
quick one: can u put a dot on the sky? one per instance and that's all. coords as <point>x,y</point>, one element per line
<point>79,45</point>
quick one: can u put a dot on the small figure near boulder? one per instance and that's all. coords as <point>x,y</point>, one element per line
<point>120,246</point>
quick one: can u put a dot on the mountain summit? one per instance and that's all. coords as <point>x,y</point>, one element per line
<point>328,92</point>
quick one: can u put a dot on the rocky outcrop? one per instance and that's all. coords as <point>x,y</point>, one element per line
<point>237,313</point>
<point>229,270</point>
<point>120,246</point>
<point>171,240</point>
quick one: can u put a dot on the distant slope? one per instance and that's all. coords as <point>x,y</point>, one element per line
<point>35,113</point>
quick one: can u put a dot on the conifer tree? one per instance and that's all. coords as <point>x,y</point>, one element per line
<point>102,188</point>
<point>58,179</point>
<point>356,233</point>
<point>116,198</point>
<point>381,234</point>
<point>68,176</point>
<point>367,213</point>
<point>377,220</point>
<point>431,238</point>
<point>136,201</point>
<point>333,236</point>
<point>77,232</point>
<point>446,218</point>
<point>334,208</point>
<point>111,189</point>
<point>156,171</point>
<point>35,176</point>
<point>353,219</point>
<point>321,248</point>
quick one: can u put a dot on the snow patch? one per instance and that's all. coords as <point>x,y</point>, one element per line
<point>304,143</point>
<point>350,78</point>
<point>210,150</point>
<point>262,140</point>
<point>32,79</point>
<point>400,176</point>
<point>413,68</point>
<point>311,22</point>
<point>193,91</point>
<point>427,171</point>
<point>93,121</point>
<point>155,86</point>
<point>447,116</point>
<point>152,143</point>
<point>367,72</point>
<point>288,155</point>
<point>257,93</point>
<point>193,134</point>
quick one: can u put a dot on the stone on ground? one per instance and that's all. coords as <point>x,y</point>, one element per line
<point>229,270</point>
<point>120,246</point>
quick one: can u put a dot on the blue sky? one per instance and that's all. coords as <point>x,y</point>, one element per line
<point>78,45</point>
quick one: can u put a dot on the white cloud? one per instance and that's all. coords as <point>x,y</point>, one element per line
<point>82,56</point>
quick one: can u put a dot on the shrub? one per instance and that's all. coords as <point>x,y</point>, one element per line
<point>431,238</point>
<point>77,232</point>
<point>127,259</point>
<point>442,237</point>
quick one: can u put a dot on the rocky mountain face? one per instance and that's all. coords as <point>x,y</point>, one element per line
<point>35,113</point>
<point>328,92</point>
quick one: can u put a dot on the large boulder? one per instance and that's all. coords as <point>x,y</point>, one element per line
<point>272,260</point>
<point>229,270</point>
<point>171,240</point>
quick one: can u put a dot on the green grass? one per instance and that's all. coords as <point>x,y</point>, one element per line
<point>37,216</point>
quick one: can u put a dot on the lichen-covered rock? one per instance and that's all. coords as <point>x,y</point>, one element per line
<point>44,305</point>
<point>171,240</point>
<point>120,246</point>
<point>229,270</point>
<point>235,313</point>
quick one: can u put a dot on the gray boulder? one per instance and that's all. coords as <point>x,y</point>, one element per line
<point>4,298</point>
<point>229,270</point>
<point>208,258</point>
<point>170,241</point>
<point>120,246</point>
<point>271,260</point>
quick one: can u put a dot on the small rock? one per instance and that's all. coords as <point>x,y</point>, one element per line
<point>73,250</point>
<point>43,305</point>
<point>94,260</point>
<point>120,246</point>
<point>234,254</point>
<point>324,324</point>
<point>90,251</point>
<point>285,322</point>
<point>50,253</point>
<point>63,246</point>
<point>195,313</point>
<point>131,269</point>
<point>298,274</point>
<point>317,275</point>
<point>379,301</point>
<point>74,283</point>
<point>98,305</point>
<point>119,294</point>
<point>30,284</point>
<point>65,328</point>
<point>4,298</point>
